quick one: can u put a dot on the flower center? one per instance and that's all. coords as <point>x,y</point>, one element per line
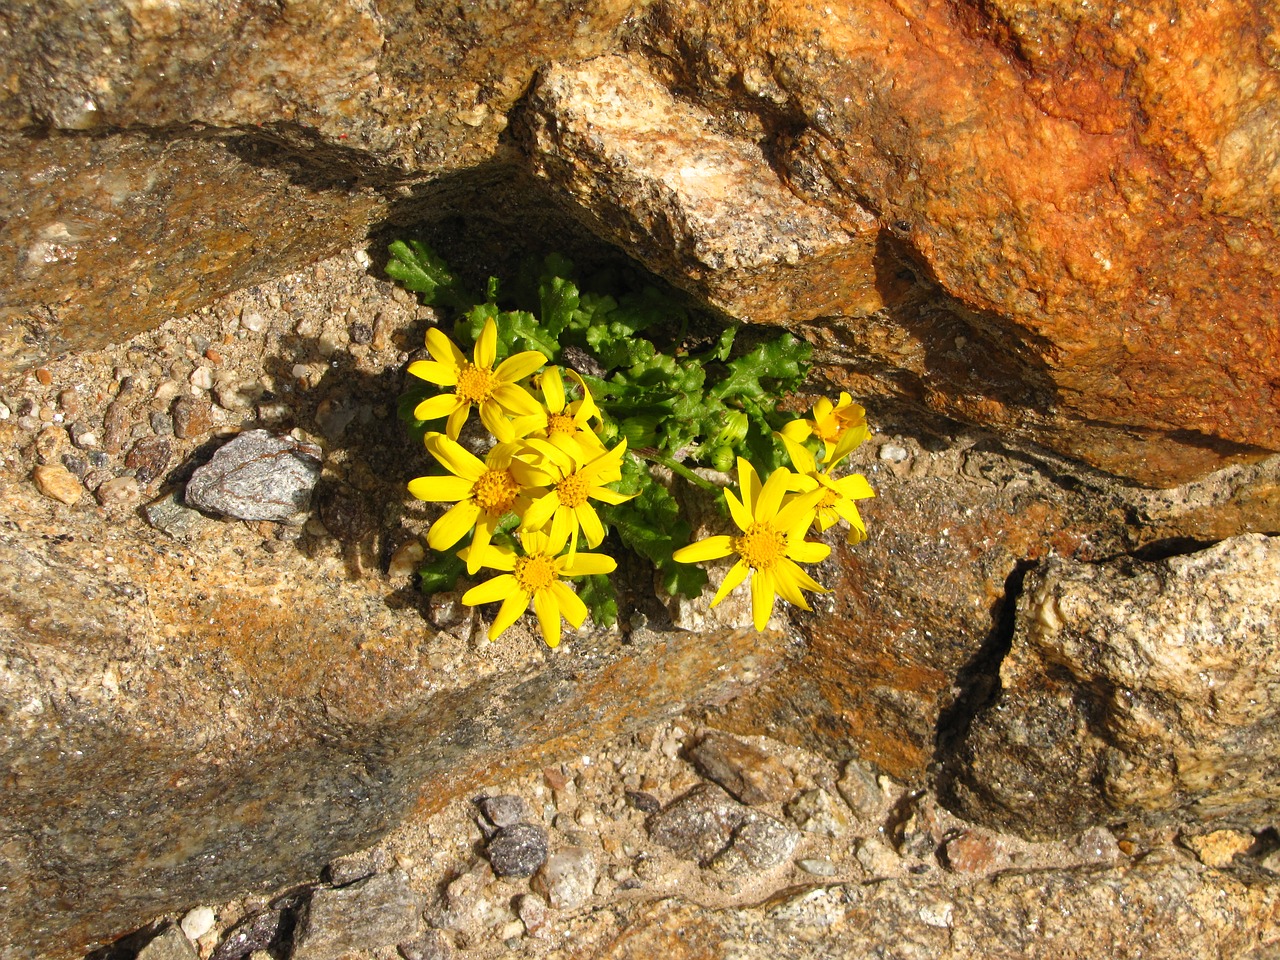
<point>535,573</point>
<point>761,546</point>
<point>475,384</point>
<point>561,423</point>
<point>495,492</point>
<point>573,490</point>
<point>829,499</point>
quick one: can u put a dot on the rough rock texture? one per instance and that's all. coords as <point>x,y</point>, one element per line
<point>1160,908</point>
<point>1135,692</point>
<point>194,148</point>
<point>1096,193</point>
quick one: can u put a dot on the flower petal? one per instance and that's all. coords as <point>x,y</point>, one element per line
<point>737,573</point>
<point>453,526</point>
<point>492,555</point>
<point>457,419</point>
<point>540,511</point>
<point>433,371</point>
<point>738,511</point>
<point>788,589</point>
<point>516,400</point>
<point>548,610</point>
<point>793,515</point>
<point>855,487</point>
<point>443,350</point>
<point>491,591</point>
<point>520,365</point>
<point>586,564</point>
<point>766,507</point>
<point>496,421</point>
<point>605,495</point>
<point>455,458</point>
<point>799,454</point>
<point>552,388</point>
<point>589,520</point>
<point>486,350</point>
<point>797,430</point>
<point>801,578</point>
<point>571,605</point>
<point>441,489</point>
<point>516,603</point>
<point>441,405</point>
<point>808,551</point>
<point>711,548</point>
<point>748,485</point>
<point>762,595</point>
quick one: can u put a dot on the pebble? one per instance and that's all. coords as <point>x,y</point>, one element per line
<point>118,492</point>
<point>937,913</point>
<point>814,811</point>
<point>258,476</point>
<point>504,810</point>
<point>532,911</point>
<point>202,378</point>
<point>1219,847</point>
<point>382,910</point>
<point>698,825</point>
<point>148,458</point>
<point>894,453</point>
<point>761,843</point>
<point>862,792</point>
<point>171,944</point>
<point>644,802</point>
<point>197,922</point>
<point>406,560</point>
<point>747,772</point>
<point>82,436</point>
<point>253,933</point>
<point>518,850</point>
<point>976,852</point>
<point>567,878</point>
<point>169,515</point>
<point>432,945</point>
<point>878,858</point>
<point>253,321</point>
<point>58,483</point>
<point>817,866</point>
<point>192,418</point>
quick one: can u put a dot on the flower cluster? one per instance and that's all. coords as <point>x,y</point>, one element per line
<point>546,469</point>
<point>774,517</point>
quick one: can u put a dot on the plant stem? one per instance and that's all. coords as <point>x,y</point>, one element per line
<point>678,468</point>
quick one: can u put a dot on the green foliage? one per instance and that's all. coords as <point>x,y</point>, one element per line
<point>680,402</point>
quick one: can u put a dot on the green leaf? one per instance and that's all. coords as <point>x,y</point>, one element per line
<point>441,573</point>
<point>597,592</point>
<point>651,525</point>
<point>783,361</point>
<point>418,268</point>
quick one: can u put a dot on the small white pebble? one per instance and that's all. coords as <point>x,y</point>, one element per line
<point>363,259</point>
<point>202,378</point>
<point>4,412</point>
<point>894,453</point>
<point>512,931</point>
<point>166,390</point>
<point>254,322</point>
<point>197,922</point>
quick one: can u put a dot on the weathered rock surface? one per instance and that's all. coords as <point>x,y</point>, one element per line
<point>257,476</point>
<point>1165,909</point>
<point>1135,692</point>
<point>380,911</point>
<point>1102,213</point>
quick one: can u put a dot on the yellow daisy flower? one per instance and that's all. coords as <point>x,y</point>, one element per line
<point>484,492</point>
<point>771,544</point>
<point>562,422</point>
<point>536,576</point>
<point>841,428</point>
<point>497,392</point>
<point>566,508</point>
<point>837,502</point>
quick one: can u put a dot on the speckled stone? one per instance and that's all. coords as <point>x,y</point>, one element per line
<point>257,476</point>
<point>380,911</point>
<point>1135,692</point>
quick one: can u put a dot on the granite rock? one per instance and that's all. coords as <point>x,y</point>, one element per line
<point>258,476</point>
<point>1134,692</point>
<point>379,911</point>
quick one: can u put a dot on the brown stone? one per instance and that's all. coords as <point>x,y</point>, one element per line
<point>746,771</point>
<point>58,483</point>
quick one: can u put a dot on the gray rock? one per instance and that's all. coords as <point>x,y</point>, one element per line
<point>568,878</point>
<point>861,791</point>
<point>380,911</point>
<point>699,824</point>
<point>760,843</point>
<point>432,945</point>
<point>355,866</point>
<point>518,850</point>
<point>504,810</point>
<point>747,772</point>
<point>1135,692</point>
<point>171,944</point>
<point>169,514</point>
<point>815,811</point>
<point>258,476</point>
<point>255,932</point>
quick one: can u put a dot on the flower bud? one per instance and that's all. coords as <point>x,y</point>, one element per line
<point>733,430</point>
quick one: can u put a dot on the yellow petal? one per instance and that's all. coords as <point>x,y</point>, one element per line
<point>511,610</point>
<point>766,507</point>
<point>453,526</point>
<point>798,511</point>
<point>516,400</point>
<point>443,350</point>
<point>571,605</point>
<point>454,457</point>
<point>456,420</point>
<point>808,551</point>
<point>492,555</point>
<point>496,421</point>
<point>548,611</point>
<point>712,548</point>
<point>540,511</point>
<point>855,487</point>
<point>738,511</point>
<point>788,589</point>
<point>491,591</point>
<point>797,576</point>
<point>799,455</point>
<point>552,389</point>
<point>444,374</point>
<point>605,495</point>
<point>479,543</point>
<point>761,598</point>
<point>520,365</point>
<point>441,405</point>
<point>586,564</point>
<point>798,431</point>
<point>589,520</point>
<point>737,573</point>
<point>748,485</point>
<point>441,489</point>
<point>487,345</point>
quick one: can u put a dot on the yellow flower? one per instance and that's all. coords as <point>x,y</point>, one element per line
<point>564,423</point>
<point>497,392</point>
<point>566,507</point>
<point>838,498</point>
<point>771,543</point>
<point>536,576</point>
<point>840,428</point>
<point>485,493</point>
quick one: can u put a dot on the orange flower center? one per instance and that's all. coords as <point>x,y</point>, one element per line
<point>562,424</point>
<point>495,492</point>
<point>761,546</point>
<point>573,490</point>
<point>475,384</point>
<point>535,573</point>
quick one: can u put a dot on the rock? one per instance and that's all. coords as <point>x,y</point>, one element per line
<point>354,866</point>
<point>568,878</point>
<point>257,476</point>
<point>532,910</point>
<point>759,843</point>
<point>197,921</point>
<point>170,514</point>
<point>861,791</point>
<point>504,810</point>
<point>171,944</point>
<point>254,933</point>
<point>642,801</point>
<point>118,492</point>
<point>518,850</point>
<point>148,458</point>
<point>697,825</point>
<point>1218,848</point>
<point>192,419</point>
<point>818,866</point>
<point>432,945</point>
<point>747,772</point>
<point>814,811</point>
<point>1134,692</point>
<point>379,911</point>
<point>976,851</point>
<point>58,483</point>
<point>878,858</point>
